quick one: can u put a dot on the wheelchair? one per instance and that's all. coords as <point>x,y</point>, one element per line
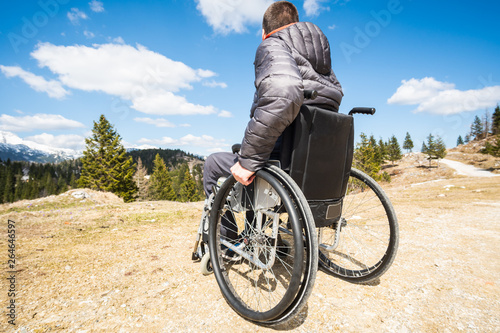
<point>264,242</point>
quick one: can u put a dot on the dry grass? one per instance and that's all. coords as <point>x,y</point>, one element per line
<point>99,265</point>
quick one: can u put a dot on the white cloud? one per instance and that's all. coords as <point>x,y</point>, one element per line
<point>442,98</point>
<point>204,141</point>
<point>226,16</point>
<point>166,103</point>
<point>313,7</point>
<point>214,84</point>
<point>118,40</point>
<point>145,78</point>
<point>216,150</point>
<point>96,6</point>
<point>88,34</point>
<point>39,121</point>
<point>52,88</point>
<point>159,122</point>
<point>225,114</point>
<point>165,141</point>
<point>75,15</point>
<point>71,141</point>
<point>415,91</point>
<point>145,146</point>
<point>204,73</point>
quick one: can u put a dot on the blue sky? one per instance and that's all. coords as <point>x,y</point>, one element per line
<point>179,74</point>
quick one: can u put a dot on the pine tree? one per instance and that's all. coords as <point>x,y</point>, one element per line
<point>460,141</point>
<point>365,158</point>
<point>188,189</point>
<point>34,189</point>
<point>61,185</point>
<point>18,191</point>
<point>434,148</point>
<point>440,147</point>
<point>408,143</point>
<point>492,149</point>
<point>379,158</point>
<point>160,185</point>
<point>8,193</point>
<point>141,181</point>
<point>198,176</point>
<point>178,177</point>
<point>105,163</point>
<point>486,124</point>
<point>50,186</point>
<point>467,138</point>
<point>495,121</point>
<point>72,181</point>
<point>394,150</point>
<point>3,172</point>
<point>382,146</point>
<point>476,129</point>
<point>26,191</point>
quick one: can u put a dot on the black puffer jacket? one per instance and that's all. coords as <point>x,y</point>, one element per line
<point>290,61</point>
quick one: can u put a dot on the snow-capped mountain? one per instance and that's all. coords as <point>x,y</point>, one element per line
<point>17,149</point>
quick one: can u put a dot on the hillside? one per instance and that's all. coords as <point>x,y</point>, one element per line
<point>94,263</point>
<point>469,154</point>
<point>414,167</point>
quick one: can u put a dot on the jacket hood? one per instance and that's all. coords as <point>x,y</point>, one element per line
<point>310,42</point>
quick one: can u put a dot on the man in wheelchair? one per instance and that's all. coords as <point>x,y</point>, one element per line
<point>293,57</point>
<point>260,239</point>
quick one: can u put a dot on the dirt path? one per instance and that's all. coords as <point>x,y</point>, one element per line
<point>103,266</point>
<point>468,170</point>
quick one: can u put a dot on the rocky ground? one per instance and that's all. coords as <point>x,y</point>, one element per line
<point>96,264</point>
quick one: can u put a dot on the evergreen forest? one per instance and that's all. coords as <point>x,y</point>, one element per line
<point>172,174</point>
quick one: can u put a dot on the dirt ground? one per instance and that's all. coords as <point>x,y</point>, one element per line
<point>99,265</point>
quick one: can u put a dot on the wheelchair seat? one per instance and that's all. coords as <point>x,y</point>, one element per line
<point>317,152</point>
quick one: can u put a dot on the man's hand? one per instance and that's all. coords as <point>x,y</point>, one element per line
<point>242,175</point>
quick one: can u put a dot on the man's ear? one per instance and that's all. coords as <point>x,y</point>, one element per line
<point>263,33</point>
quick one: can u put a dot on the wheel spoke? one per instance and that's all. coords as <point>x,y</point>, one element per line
<point>368,239</point>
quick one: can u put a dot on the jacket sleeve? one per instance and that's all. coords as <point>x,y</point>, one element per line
<point>279,96</point>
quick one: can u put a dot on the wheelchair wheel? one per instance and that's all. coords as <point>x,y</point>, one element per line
<point>263,246</point>
<point>362,245</point>
<point>206,264</point>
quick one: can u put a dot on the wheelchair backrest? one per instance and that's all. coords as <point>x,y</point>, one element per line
<point>317,151</point>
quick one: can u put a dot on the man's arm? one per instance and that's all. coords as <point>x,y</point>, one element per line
<point>279,98</point>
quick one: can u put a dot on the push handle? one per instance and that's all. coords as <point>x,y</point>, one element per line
<point>370,111</point>
<point>310,94</point>
<point>236,148</point>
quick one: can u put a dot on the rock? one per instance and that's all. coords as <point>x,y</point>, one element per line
<point>80,195</point>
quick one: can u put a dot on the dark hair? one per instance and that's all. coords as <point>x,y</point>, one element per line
<point>278,15</point>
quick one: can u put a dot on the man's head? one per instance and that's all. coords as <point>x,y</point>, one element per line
<point>278,15</point>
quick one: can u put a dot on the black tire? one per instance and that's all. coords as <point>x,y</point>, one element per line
<point>368,234</point>
<point>310,256</point>
<point>257,283</point>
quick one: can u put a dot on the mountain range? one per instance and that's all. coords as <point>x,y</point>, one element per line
<point>16,149</point>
